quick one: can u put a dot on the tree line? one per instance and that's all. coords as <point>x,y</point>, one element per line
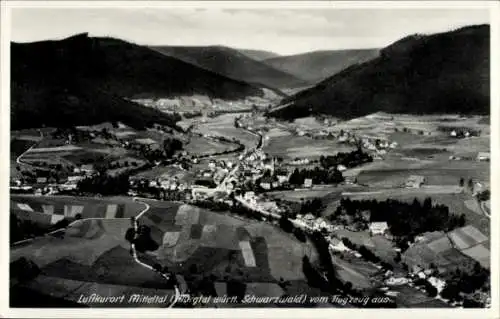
<point>405,220</point>
<point>349,159</point>
<point>317,175</point>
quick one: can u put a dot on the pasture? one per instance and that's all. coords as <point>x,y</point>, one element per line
<point>355,271</point>
<point>456,203</point>
<point>255,251</point>
<point>47,210</point>
<point>167,172</point>
<point>201,146</point>
<point>291,147</point>
<point>379,245</point>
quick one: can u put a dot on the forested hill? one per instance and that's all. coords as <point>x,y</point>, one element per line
<point>440,73</point>
<point>82,80</point>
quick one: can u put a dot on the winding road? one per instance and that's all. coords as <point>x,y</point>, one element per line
<point>134,252</point>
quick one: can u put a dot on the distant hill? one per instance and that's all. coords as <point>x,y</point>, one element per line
<point>233,64</point>
<point>441,73</point>
<point>258,55</point>
<point>83,80</point>
<point>316,66</point>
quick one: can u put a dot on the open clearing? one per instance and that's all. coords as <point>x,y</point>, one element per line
<point>206,146</point>
<point>291,147</point>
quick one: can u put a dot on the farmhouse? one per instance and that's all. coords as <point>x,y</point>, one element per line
<point>87,168</point>
<point>378,228</point>
<point>152,144</point>
<point>341,168</point>
<point>308,183</point>
<point>415,181</point>
<point>41,180</point>
<point>483,156</point>
<point>337,245</point>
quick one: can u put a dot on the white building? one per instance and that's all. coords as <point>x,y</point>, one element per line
<point>341,168</point>
<point>249,195</point>
<point>483,156</point>
<point>393,281</point>
<point>378,228</point>
<point>308,183</point>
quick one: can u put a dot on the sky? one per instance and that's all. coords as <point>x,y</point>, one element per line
<point>283,31</point>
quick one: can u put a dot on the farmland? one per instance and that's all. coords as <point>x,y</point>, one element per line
<point>166,172</point>
<point>291,147</point>
<point>223,125</point>
<point>190,234</point>
<point>202,146</point>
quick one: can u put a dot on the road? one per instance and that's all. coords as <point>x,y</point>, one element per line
<point>134,252</point>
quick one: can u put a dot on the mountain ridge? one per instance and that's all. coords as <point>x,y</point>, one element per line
<point>439,73</point>
<point>231,63</point>
<point>316,66</point>
<point>84,79</point>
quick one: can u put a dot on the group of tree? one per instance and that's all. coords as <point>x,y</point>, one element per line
<point>404,219</point>
<point>366,254</point>
<point>313,207</point>
<point>105,184</point>
<point>465,283</point>
<point>170,145</point>
<point>141,239</point>
<point>429,288</point>
<point>22,229</point>
<point>347,159</point>
<point>317,175</point>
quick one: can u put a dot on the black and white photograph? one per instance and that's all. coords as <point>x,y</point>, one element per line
<point>246,157</point>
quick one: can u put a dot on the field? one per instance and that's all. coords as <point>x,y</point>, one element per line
<point>455,202</point>
<point>223,125</point>
<point>93,257</point>
<point>291,147</point>
<point>19,146</point>
<point>167,172</point>
<point>379,245</point>
<point>358,272</point>
<point>205,146</point>
<point>251,251</point>
<point>47,210</point>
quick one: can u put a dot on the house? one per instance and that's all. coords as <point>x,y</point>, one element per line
<point>393,145</point>
<point>378,228</point>
<point>350,179</point>
<point>282,179</point>
<point>337,245</point>
<point>438,283</point>
<point>249,195</point>
<point>393,281</point>
<point>74,178</point>
<point>87,168</point>
<point>341,168</point>
<point>152,144</point>
<point>453,133</point>
<point>415,181</point>
<point>308,183</point>
<point>265,185</point>
<point>483,156</point>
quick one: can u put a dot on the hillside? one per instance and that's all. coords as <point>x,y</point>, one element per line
<point>316,66</point>
<point>440,73</point>
<point>259,55</point>
<point>87,80</point>
<point>233,64</point>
